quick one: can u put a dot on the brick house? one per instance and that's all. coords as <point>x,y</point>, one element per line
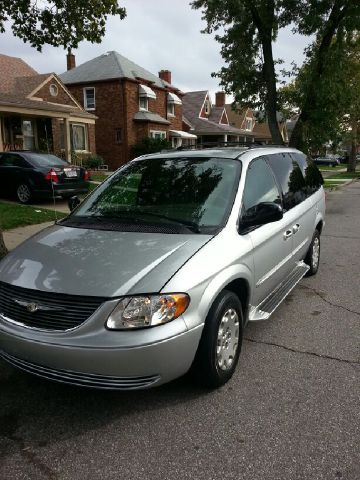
<point>129,102</point>
<point>209,121</point>
<point>254,130</point>
<point>37,112</point>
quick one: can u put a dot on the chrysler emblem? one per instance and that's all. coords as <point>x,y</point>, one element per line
<point>32,307</point>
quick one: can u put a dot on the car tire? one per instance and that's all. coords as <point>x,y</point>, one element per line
<point>313,256</point>
<point>24,193</point>
<point>220,344</point>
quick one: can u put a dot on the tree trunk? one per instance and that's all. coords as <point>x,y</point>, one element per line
<point>3,249</point>
<point>264,24</point>
<point>352,159</point>
<point>271,96</point>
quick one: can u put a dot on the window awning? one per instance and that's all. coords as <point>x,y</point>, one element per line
<point>172,98</point>
<point>179,133</point>
<point>145,91</point>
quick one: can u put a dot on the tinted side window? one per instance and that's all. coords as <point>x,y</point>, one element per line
<point>260,185</point>
<point>290,178</point>
<point>12,160</point>
<point>313,177</point>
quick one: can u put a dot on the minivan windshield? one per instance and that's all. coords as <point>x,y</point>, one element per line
<point>185,193</point>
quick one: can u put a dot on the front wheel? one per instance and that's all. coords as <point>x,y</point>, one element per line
<point>313,256</point>
<point>220,344</point>
<point>23,193</point>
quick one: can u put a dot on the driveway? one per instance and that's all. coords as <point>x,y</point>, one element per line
<point>290,412</point>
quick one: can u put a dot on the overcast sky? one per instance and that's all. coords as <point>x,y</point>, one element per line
<point>157,34</point>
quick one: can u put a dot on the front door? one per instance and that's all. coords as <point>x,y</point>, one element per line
<point>272,243</point>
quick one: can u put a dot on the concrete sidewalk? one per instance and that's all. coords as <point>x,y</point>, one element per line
<point>14,237</point>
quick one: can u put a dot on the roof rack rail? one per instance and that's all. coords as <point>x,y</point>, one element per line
<point>229,145</point>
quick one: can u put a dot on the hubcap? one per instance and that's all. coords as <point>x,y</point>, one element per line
<point>227,339</point>
<point>23,193</point>
<point>315,253</point>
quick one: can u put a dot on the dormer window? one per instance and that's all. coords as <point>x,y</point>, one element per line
<point>248,124</point>
<point>145,93</point>
<point>207,107</point>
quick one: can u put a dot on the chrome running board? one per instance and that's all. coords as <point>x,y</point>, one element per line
<point>270,304</point>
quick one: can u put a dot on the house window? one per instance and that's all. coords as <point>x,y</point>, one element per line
<point>118,135</point>
<point>78,136</point>
<point>171,108</point>
<point>89,98</point>
<point>53,89</point>
<point>248,124</point>
<point>158,134</point>
<point>207,107</point>
<point>143,103</point>
<point>28,134</point>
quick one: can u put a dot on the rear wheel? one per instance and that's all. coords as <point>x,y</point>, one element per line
<point>220,344</point>
<point>24,193</point>
<point>313,256</point>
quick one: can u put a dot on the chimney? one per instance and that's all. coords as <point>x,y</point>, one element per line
<point>165,75</point>
<point>220,99</point>
<point>70,60</point>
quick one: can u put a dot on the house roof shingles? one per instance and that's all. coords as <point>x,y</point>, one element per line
<point>109,66</point>
<point>18,80</point>
<point>10,69</point>
<point>192,104</point>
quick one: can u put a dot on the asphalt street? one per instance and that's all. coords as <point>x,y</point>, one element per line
<point>290,412</point>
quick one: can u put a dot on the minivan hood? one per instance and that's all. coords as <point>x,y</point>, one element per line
<point>98,263</point>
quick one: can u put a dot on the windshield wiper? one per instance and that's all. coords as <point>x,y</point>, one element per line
<point>186,223</point>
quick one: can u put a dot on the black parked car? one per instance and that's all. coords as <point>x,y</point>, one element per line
<point>330,161</point>
<point>28,175</point>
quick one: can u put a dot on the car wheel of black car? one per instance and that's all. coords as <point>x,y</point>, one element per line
<point>313,256</point>
<point>220,344</point>
<point>24,193</point>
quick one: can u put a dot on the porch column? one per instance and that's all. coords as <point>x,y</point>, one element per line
<point>67,140</point>
<point>225,138</point>
<point>1,139</point>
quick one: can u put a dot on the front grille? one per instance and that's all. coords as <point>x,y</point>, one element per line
<point>61,312</point>
<point>82,379</point>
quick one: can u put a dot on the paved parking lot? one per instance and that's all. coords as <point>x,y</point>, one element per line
<point>290,412</point>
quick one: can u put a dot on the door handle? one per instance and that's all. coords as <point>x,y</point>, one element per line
<point>287,234</point>
<point>295,228</point>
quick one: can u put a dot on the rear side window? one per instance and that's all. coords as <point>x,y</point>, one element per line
<point>260,185</point>
<point>312,175</point>
<point>12,160</point>
<point>290,178</point>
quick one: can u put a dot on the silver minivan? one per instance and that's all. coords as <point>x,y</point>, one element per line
<point>158,271</point>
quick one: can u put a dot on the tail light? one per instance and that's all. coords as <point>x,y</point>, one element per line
<point>86,176</point>
<point>52,175</point>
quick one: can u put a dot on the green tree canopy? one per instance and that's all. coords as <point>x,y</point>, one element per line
<point>246,30</point>
<point>58,22</point>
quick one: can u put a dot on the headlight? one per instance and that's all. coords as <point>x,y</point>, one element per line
<point>147,311</point>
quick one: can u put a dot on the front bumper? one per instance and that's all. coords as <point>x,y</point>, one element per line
<point>105,366</point>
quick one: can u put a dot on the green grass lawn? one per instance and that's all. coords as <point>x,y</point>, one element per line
<point>15,215</point>
<point>326,168</point>
<point>98,177</point>
<point>344,175</point>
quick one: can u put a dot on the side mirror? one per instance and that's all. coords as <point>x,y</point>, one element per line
<point>73,202</point>
<point>261,214</point>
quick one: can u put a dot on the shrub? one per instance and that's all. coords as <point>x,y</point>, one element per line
<point>93,162</point>
<point>150,145</point>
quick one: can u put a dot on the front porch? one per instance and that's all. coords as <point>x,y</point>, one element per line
<point>59,133</point>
